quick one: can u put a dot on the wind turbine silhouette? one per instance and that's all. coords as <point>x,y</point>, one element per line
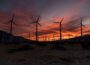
<point>48,38</point>
<point>54,36</point>
<point>11,21</point>
<point>28,35</point>
<point>81,24</point>
<point>36,21</point>
<point>45,38</point>
<point>61,28</point>
<point>60,45</point>
<point>60,24</point>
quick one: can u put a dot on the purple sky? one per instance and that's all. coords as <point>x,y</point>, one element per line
<point>49,11</point>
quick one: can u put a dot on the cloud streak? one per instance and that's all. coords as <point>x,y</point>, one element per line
<point>71,10</point>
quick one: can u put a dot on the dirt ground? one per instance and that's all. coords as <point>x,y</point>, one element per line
<point>43,56</point>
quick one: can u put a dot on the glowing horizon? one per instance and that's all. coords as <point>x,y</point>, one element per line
<point>50,11</point>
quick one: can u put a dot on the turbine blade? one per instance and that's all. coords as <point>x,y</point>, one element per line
<point>39,18</point>
<point>61,20</point>
<point>12,17</point>
<point>35,19</point>
<point>11,20</point>
<point>39,24</point>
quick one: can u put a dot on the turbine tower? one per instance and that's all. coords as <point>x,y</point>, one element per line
<point>81,27</point>
<point>48,38</point>
<point>61,28</point>
<point>54,36</point>
<point>81,24</point>
<point>12,22</point>
<point>60,25</point>
<point>36,20</point>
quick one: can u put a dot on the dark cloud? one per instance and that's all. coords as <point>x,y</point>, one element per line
<point>88,31</point>
<point>72,25</point>
<point>24,9</point>
<point>44,32</point>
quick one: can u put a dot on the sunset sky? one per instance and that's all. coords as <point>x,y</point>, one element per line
<point>51,11</point>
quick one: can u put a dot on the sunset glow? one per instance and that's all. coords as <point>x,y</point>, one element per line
<point>50,11</point>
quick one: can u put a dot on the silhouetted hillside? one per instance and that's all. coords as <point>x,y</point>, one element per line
<point>8,38</point>
<point>83,39</point>
<point>5,37</point>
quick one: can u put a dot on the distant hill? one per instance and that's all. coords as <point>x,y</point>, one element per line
<point>8,38</point>
<point>4,36</point>
<point>76,40</point>
<point>83,39</point>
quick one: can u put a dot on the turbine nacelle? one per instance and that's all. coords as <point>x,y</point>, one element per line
<point>36,20</point>
<point>12,20</point>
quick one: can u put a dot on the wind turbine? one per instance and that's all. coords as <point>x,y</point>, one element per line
<point>45,38</point>
<point>36,21</point>
<point>11,21</point>
<point>48,38</point>
<point>60,45</point>
<point>60,24</point>
<point>54,36</point>
<point>61,28</point>
<point>81,23</point>
<point>28,35</point>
